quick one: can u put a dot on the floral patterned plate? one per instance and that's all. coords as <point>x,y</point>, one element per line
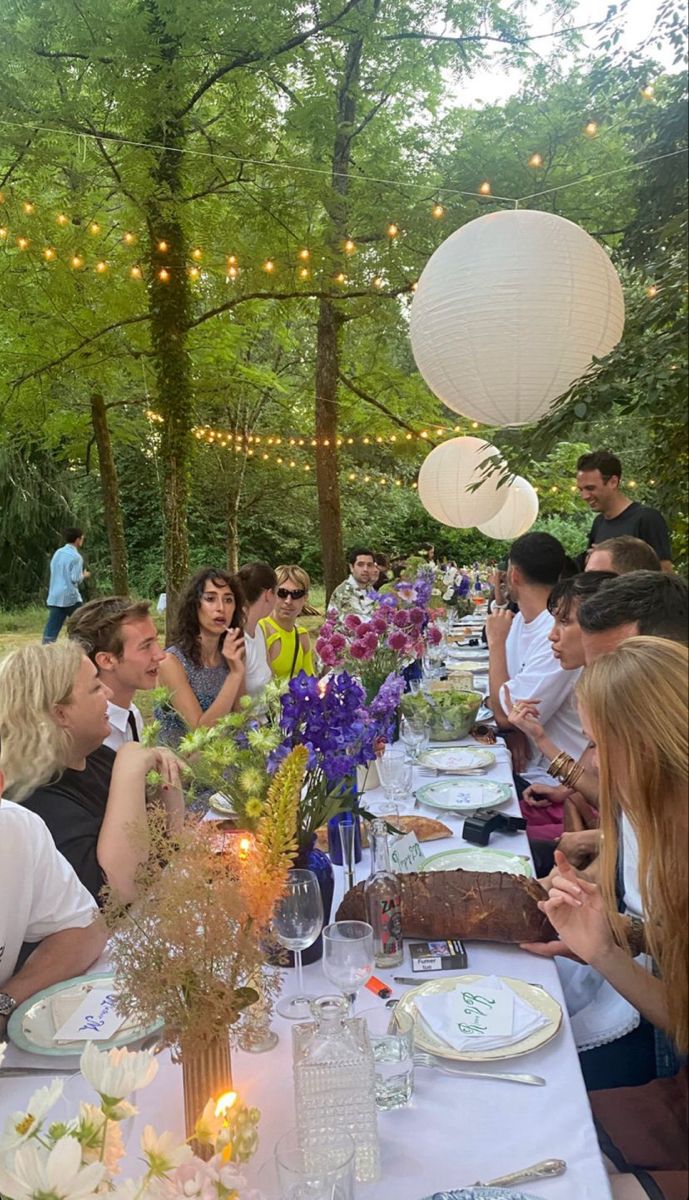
<point>480,1193</point>
<point>457,759</point>
<point>33,1023</point>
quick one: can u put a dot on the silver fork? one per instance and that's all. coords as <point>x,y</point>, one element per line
<point>421,1059</point>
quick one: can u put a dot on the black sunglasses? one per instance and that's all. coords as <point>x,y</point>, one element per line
<point>297,594</point>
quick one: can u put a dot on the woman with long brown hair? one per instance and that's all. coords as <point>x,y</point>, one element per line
<point>633,706</point>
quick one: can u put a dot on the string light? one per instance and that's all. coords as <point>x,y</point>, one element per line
<point>377,281</point>
<point>632,483</point>
<point>197,254</point>
<point>304,254</point>
<point>648,92</point>
<point>163,247</point>
<point>652,291</point>
<point>76,262</point>
<point>3,232</point>
<point>269,265</point>
<point>135,272</point>
<point>340,277</point>
<point>23,243</point>
<point>163,275</point>
<point>129,239</point>
<point>194,273</point>
<point>591,129</point>
<point>392,230</point>
<point>29,208</point>
<point>485,188</point>
<point>349,246</point>
<point>536,160</point>
<point>101,267</point>
<point>232,272</point>
<point>437,211</point>
<point>49,254</point>
<point>94,228</point>
<point>62,219</point>
<point>304,272</point>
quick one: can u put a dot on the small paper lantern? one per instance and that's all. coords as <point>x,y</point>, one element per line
<point>509,311</point>
<point>446,476</point>
<point>517,514</point>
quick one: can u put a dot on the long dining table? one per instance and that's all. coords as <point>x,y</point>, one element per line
<point>456,1130</point>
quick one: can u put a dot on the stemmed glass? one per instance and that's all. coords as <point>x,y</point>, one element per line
<point>348,956</point>
<point>414,735</point>
<point>395,773</point>
<point>297,923</point>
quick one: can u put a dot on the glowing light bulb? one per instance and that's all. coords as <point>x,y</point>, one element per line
<point>485,188</point>
<point>197,254</point>
<point>128,238</point>
<point>648,92</point>
<point>304,272</point>
<point>269,265</point>
<point>135,272</point>
<point>438,211</point>
<point>536,160</point>
<point>101,267</point>
<point>194,273</point>
<point>232,260</point>
<point>62,219</point>
<point>392,230</point>
<point>652,291</point>
<point>377,281</point>
<point>340,277</point>
<point>23,243</point>
<point>232,272</point>
<point>304,254</point>
<point>349,246</point>
<point>49,254</point>
<point>76,262</point>
<point>591,129</point>
<point>163,275</point>
<point>474,424</point>
<point>94,228</point>
<point>28,207</point>
<point>3,232</point>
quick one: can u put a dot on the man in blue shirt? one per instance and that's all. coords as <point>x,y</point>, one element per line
<point>66,573</point>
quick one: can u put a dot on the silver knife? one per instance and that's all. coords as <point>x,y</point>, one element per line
<point>405,979</point>
<point>19,1071</point>
<point>548,1169</point>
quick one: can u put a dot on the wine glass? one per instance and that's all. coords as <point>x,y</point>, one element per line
<point>297,923</point>
<point>348,956</point>
<point>414,734</point>
<point>395,773</point>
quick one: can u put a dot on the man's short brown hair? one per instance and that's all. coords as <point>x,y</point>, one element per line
<point>628,553</point>
<point>97,625</point>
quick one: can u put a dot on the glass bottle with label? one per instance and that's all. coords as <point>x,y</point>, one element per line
<point>383,899</point>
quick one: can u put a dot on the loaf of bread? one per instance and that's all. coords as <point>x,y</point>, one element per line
<point>427,829</point>
<point>488,906</point>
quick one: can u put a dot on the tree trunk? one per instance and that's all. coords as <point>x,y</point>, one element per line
<point>169,309</point>
<point>112,509</point>
<point>232,534</point>
<point>329,321</point>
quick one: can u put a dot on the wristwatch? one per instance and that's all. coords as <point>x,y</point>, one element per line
<point>7,1004</point>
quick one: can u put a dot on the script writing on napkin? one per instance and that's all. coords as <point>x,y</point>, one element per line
<point>94,1019</point>
<point>483,1013</point>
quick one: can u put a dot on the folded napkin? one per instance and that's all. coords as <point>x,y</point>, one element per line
<point>484,1015</point>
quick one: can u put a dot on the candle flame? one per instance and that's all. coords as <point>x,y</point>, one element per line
<point>225,1103</point>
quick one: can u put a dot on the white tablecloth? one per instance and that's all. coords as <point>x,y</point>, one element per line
<point>454,1131</point>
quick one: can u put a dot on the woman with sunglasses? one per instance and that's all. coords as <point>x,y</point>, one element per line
<point>204,668</point>
<point>288,644</point>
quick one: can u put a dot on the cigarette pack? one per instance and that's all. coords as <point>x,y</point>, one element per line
<point>437,956</point>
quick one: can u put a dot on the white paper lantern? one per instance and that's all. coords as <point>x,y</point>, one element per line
<point>509,311</point>
<point>447,474</point>
<point>517,514</point>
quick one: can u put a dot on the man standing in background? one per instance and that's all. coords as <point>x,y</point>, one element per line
<point>598,480</point>
<point>66,573</point>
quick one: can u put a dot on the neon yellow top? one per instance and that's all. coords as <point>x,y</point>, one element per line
<point>281,666</point>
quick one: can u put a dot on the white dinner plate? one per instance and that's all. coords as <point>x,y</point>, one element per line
<point>481,1193</point>
<point>32,1024</point>
<point>220,803</point>
<point>425,1039</point>
<point>473,665</point>
<point>463,796</point>
<point>456,759</point>
<point>478,858</point>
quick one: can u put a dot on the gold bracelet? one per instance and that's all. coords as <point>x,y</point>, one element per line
<point>573,775</point>
<point>558,764</point>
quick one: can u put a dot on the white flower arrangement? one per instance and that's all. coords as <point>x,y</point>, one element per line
<point>79,1159</point>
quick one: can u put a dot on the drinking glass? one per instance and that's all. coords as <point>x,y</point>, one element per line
<point>348,956</point>
<point>323,1172</point>
<point>414,734</point>
<point>297,923</point>
<point>391,1034</point>
<point>395,773</point>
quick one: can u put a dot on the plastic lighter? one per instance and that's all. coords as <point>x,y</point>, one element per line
<point>381,989</point>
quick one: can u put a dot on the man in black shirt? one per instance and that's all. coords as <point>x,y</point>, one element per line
<point>598,480</point>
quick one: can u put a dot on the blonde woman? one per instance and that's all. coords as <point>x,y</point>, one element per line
<point>287,642</point>
<point>633,705</point>
<point>53,721</point>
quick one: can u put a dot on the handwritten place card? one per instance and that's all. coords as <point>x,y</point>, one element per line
<point>406,854</point>
<point>95,1019</point>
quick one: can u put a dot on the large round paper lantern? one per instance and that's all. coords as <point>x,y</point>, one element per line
<point>509,311</point>
<point>446,476</point>
<point>517,514</point>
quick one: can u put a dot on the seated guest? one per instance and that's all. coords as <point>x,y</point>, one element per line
<point>353,595</point>
<point>621,555</point>
<point>287,642</point>
<point>383,564</point>
<point>122,642</point>
<point>258,583</point>
<point>543,804</point>
<point>41,901</point>
<point>647,602</point>
<point>53,722</point>
<point>204,667</point>
<point>642,760</point>
<point>522,668</point>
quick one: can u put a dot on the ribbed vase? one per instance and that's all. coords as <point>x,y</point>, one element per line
<point>206,1074</point>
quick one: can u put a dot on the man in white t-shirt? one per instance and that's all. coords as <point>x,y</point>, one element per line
<point>521,656</point>
<point>41,900</point>
<point>120,638</point>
